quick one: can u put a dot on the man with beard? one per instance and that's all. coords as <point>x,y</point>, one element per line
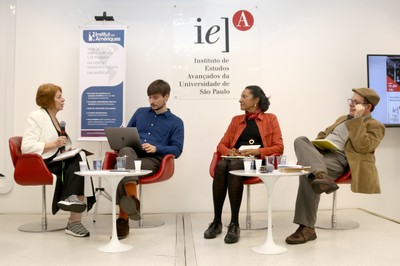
<point>161,133</point>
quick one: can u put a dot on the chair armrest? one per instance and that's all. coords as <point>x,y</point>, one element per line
<point>345,178</point>
<point>30,170</point>
<point>215,159</point>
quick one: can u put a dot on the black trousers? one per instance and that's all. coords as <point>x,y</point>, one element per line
<point>68,183</point>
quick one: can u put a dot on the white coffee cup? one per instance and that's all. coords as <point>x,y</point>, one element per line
<point>83,166</point>
<point>258,164</point>
<point>138,165</point>
<point>247,165</point>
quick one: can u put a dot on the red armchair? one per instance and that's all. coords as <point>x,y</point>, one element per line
<point>30,170</point>
<point>164,173</point>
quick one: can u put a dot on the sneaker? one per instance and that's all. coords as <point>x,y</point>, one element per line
<point>76,229</point>
<point>72,204</point>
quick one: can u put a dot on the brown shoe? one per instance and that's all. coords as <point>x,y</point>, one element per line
<point>322,183</point>
<point>302,235</point>
<point>130,205</point>
<point>122,228</point>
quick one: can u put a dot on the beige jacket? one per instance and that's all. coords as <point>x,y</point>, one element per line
<point>365,134</point>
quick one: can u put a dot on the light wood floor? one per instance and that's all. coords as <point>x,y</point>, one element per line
<point>180,242</point>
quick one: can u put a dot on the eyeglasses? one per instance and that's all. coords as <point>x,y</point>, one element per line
<point>353,102</point>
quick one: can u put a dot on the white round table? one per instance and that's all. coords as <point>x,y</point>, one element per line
<point>269,179</point>
<point>113,178</point>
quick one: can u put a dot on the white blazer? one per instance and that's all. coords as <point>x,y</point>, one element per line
<point>39,129</point>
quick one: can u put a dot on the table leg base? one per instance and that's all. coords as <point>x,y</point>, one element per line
<point>38,228</point>
<point>270,249</point>
<point>148,223</point>
<point>114,246</point>
<point>341,225</point>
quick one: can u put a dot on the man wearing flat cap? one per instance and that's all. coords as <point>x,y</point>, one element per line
<point>357,135</point>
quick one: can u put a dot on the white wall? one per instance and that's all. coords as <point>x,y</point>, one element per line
<point>7,48</point>
<point>312,54</point>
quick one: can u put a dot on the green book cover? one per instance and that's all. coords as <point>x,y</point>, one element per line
<point>324,144</point>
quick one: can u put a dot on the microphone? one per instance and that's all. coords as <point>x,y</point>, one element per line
<point>63,133</point>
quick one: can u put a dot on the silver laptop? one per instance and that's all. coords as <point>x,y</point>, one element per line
<point>119,137</point>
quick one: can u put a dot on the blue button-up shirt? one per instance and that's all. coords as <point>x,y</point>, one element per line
<point>165,131</point>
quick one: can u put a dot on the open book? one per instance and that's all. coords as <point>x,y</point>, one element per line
<point>70,153</point>
<point>248,147</point>
<point>294,168</point>
<point>324,144</point>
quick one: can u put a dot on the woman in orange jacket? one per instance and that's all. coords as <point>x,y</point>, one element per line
<point>257,128</point>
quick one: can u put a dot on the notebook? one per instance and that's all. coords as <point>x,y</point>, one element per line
<point>119,137</point>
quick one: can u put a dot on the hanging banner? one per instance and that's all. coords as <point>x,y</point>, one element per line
<point>102,75</point>
<point>216,51</point>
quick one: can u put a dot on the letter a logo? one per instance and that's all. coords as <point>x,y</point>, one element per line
<point>243,20</point>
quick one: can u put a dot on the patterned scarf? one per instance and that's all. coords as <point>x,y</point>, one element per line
<point>252,116</point>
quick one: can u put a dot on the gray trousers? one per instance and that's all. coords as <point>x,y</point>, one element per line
<point>333,163</point>
<point>148,163</point>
